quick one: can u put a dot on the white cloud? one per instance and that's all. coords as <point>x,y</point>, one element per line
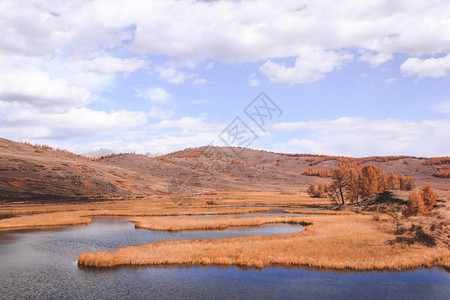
<point>431,67</point>
<point>155,94</point>
<point>364,137</point>
<point>376,59</point>
<point>17,122</point>
<point>253,81</point>
<point>226,30</point>
<point>189,123</point>
<point>108,64</point>
<point>443,107</point>
<point>311,65</point>
<point>32,86</point>
<point>171,74</point>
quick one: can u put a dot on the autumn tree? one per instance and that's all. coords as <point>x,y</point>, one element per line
<point>429,197</point>
<point>415,206</point>
<point>382,182</point>
<point>311,190</point>
<point>402,182</point>
<point>409,184</point>
<point>369,181</point>
<point>339,183</point>
<point>321,190</point>
<point>353,184</point>
<point>392,182</point>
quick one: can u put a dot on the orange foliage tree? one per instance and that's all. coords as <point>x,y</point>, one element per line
<point>442,173</point>
<point>353,182</point>
<point>392,182</point>
<point>429,197</point>
<point>415,206</point>
<point>318,192</point>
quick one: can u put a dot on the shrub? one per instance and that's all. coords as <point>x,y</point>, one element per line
<point>415,206</point>
<point>311,190</point>
<point>429,197</point>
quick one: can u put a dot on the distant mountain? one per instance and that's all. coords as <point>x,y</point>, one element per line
<point>31,172</point>
<point>97,153</point>
<point>149,154</point>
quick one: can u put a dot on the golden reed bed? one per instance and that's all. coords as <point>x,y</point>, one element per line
<point>70,218</point>
<point>339,242</point>
<point>178,224</point>
<point>317,212</point>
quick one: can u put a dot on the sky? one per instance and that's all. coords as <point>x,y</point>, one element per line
<point>353,78</point>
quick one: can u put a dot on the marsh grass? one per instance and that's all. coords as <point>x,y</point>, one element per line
<point>178,224</point>
<point>338,242</point>
<point>60,219</point>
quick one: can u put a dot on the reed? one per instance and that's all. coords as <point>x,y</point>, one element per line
<point>318,212</point>
<point>82,217</point>
<point>338,242</point>
<point>178,224</point>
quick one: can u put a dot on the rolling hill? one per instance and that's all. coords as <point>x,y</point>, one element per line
<point>32,172</point>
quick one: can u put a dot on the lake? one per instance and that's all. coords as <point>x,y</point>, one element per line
<point>43,264</point>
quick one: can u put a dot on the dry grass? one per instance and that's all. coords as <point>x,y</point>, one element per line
<point>56,219</point>
<point>318,212</point>
<point>178,224</point>
<point>339,242</point>
<point>59,219</point>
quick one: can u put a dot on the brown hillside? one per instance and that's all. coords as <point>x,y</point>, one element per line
<point>41,173</point>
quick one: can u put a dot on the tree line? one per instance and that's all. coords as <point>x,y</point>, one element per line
<point>352,183</point>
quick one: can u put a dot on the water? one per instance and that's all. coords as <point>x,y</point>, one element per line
<point>42,264</point>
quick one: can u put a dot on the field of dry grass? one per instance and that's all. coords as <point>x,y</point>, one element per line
<point>82,217</point>
<point>178,224</point>
<point>339,242</point>
<point>66,214</point>
<point>317,212</point>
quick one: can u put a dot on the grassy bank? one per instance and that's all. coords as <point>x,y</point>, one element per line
<point>178,224</point>
<point>338,242</point>
<point>317,212</point>
<point>68,218</point>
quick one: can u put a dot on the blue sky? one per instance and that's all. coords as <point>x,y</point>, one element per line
<point>356,78</point>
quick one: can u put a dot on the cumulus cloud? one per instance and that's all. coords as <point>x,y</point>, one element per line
<point>248,31</point>
<point>155,94</point>
<point>171,74</point>
<point>360,136</point>
<point>33,87</point>
<point>311,65</point>
<point>18,122</point>
<point>431,67</point>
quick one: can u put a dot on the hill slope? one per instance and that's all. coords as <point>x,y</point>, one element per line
<point>42,173</point>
